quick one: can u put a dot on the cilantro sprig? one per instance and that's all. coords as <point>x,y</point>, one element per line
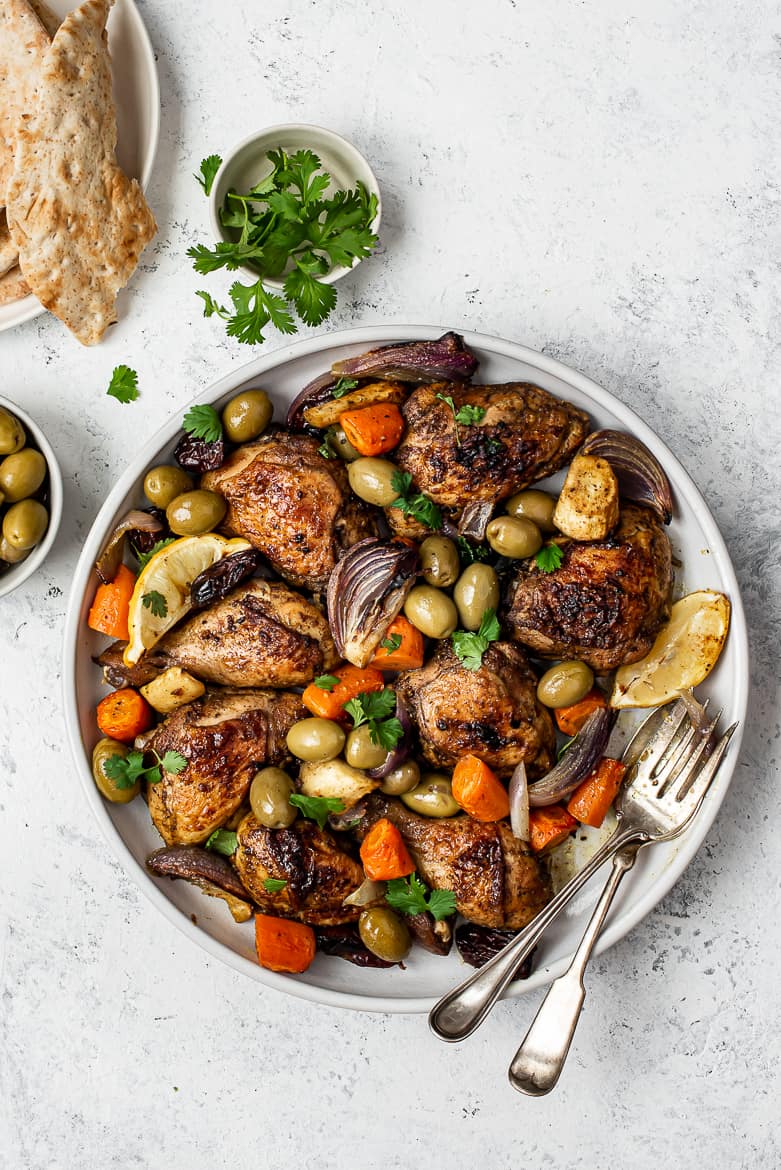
<point>203,422</point>
<point>413,503</point>
<point>375,709</point>
<point>317,808</point>
<point>391,643</point>
<point>155,602</point>
<point>274,885</point>
<point>126,771</point>
<point>470,553</point>
<point>223,841</point>
<point>470,646</point>
<point>549,558</point>
<point>466,415</point>
<point>326,682</point>
<point>209,168</point>
<point>124,384</point>
<point>409,895</point>
<point>344,386</point>
<point>145,557</point>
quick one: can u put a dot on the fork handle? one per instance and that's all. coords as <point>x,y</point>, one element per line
<point>462,1010</point>
<point>537,1064</point>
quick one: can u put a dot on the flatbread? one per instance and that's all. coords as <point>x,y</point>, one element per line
<point>49,20</point>
<point>80,224</point>
<point>13,287</point>
<point>9,253</point>
<point>23,43</point>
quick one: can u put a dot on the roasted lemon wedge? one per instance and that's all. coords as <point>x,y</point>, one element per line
<point>161,596</point>
<point>684,653</point>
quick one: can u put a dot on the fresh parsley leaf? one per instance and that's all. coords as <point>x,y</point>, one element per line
<point>125,772</point>
<point>124,384</point>
<point>401,481</point>
<point>374,708</point>
<point>174,762</point>
<point>210,306</point>
<point>344,386</point>
<point>223,841</point>
<point>409,896</point>
<point>209,168</point>
<point>223,255</point>
<point>203,422</point>
<point>414,504</point>
<point>490,630</point>
<point>314,300</point>
<point>274,885</point>
<point>470,553</point>
<point>155,602</point>
<point>326,450</point>
<point>549,558</point>
<point>391,643</point>
<point>317,808</point>
<point>470,646</point>
<point>145,557</point>
<point>469,416</point>
<point>326,682</point>
<point>254,308</point>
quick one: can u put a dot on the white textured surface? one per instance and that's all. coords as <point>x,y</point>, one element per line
<point>599,181</point>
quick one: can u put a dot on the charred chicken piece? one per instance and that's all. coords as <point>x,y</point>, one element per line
<point>492,712</point>
<point>293,505</point>
<point>495,877</point>
<point>317,872</point>
<point>225,737</point>
<point>605,603</point>
<point>524,435</point>
<point>263,634</point>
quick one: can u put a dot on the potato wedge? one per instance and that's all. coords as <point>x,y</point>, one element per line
<point>172,689</point>
<point>328,413</point>
<point>335,779</point>
<point>587,508</point>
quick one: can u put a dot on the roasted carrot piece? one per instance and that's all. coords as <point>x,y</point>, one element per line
<point>591,800</point>
<point>384,854</point>
<point>373,430</point>
<point>353,681</point>
<point>479,791</point>
<point>124,714</point>
<point>111,605</point>
<point>284,945</point>
<point>409,653</point>
<point>571,719</point>
<point>548,827</point>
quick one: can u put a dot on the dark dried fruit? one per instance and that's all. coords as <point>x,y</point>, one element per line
<point>436,937</point>
<point>478,944</point>
<point>345,943</point>
<point>220,578</point>
<point>144,540</point>
<point>198,456</point>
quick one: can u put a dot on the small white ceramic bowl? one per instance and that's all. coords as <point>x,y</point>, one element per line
<point>13,577</point>
<point>246,164</point>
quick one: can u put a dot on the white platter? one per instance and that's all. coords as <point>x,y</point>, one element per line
<point>705,564</point>
<point>137,98</point>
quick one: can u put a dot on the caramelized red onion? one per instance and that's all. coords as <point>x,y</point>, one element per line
<point>402,748</point>
<point>366,590</point>
<point>144,523</point>
<point>640,475</point>
<point>314,393</point>
<point>518,792</point>
<point>581,757</point>
<point>474,519</point>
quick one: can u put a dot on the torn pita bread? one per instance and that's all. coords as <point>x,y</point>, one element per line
<point>48,19</point>
<point>23,43</point>
<point>9,253</point>
<point>13,287</point>
<point>80,224</point>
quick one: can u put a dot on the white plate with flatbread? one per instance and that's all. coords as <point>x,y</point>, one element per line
<point>137,98</point>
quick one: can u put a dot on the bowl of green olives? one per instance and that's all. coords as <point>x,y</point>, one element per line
<point>30,496</point>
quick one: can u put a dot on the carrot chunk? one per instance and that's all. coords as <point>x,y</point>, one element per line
<point>479,791</point>
<point>548,827</point>
<point>284,945</point>
<point>591,800</point>
<point>571,719</point>
<point>373,430</point>
<point>384,854</point>
<point>353,681</point>
<point>408,655</point>
<point>124,714</point>
<point>111,606</point>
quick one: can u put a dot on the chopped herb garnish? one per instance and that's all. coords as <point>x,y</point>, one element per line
<point>409,896</point>
<point>155,602</point>
<point>223,841</point>
<point>469,553</point>
<point>317,808</point>
<point>374,708</point>
<point>391,643</point>
<point>549,558</point>
<point>274,885</point>
<point>209,168</point>
<point>471,646</point>
<point>145,557</point>
<point>466,415</point>
<point>124,384</point>
<point>203,422</point>
<point>326,682</point>
<point>126,771</point>
<point>413,503</point>
<point>344,386</point>
<point>326,450</point>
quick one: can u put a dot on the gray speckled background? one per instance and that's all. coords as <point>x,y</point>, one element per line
<point>600,181</point>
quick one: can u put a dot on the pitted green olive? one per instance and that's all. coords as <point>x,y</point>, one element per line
<point>433,797</point>
<point>565,684</point>
<point>431,611</point>
<point>339,442</point>
<point>403,778</point>
<point>24,524</point>
<point>361,751</point>
<point>247,415</point>
<point>534,505</point>
<point>514,537</point>
<point>372,480</point>
<point>21,474</point>
<point>104,750</point>
<point>11,555</point>
<point>196,512</point>
<point>269,798</point>
<point>477,590</point>
<point>439,561</point>
<point>163,484</point>
<point>384,934</point>
<point>315,740</point>
<point>12,436</point>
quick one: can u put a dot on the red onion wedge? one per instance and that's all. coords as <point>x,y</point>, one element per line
<point>474,519</point>
<point>402,748</point>
<point>640,475</point>
<point>314,393</point>
<point>518,793</point>
<point>582,756</point>
<point>134,521</point>
<point>366,590</point>
<point>447,359</point>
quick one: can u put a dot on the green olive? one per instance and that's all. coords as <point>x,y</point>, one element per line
<point>193,513</point>
<point>11,555</point>
<point>315,740</point>
<point>360,750</point>
<point>439,561</point>
<point>536,506</point>
<point>12,436</point>
<point>269,798</point>
<point>514,537</point>
<point>477,590</point>
<point>372,480</point>
<point>247,415</point>
<point>565,684</point>
<point>433,797</point>
<point>163,484</point>
<point>104,750</point>
<point>402,779</point>
<point>384,934</point>
<point>339,442</point>
<point>24,524</point>
<point>21,474</point>
<point>431,611</point>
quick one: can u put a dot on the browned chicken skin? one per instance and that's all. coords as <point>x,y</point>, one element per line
<point>225,737</point>
<point>524,435</point>
<point>263,634</point>
<point>492,712</point>
<point>495,877</point>
<point>317,872</point>
<point>291,504</point>
<point>605,603</point>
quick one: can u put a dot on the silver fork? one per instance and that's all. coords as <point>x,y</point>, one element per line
<point>670,765</point>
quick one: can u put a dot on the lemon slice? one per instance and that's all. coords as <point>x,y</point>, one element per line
<point>161,596</point>
<point>684,653</point>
